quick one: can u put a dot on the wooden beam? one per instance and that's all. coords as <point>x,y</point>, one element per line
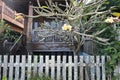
<point>25,31</point>
<point>50,46</point>
<point>13,21</point>
<point>30,23</point>
<point>18,0</point>
<point>15,28</point>
<point>29,28</point>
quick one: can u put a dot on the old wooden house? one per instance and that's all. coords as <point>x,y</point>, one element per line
<point>30,27</point>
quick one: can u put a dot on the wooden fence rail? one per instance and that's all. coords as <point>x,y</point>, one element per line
<point>57,67</point>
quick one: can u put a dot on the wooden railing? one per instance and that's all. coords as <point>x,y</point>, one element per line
<point>42,35</point>
<point>8,14</point>
<point>45,40</point>
<point>11,13</point>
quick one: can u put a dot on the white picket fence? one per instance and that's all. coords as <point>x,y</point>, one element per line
<point>57,67</point>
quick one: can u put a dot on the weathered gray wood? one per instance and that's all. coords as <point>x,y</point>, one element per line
<point>103,67</point>
<point>64,68</point>
<point>70,68</point>
<point>17,67</point>
<point>98,67</point>
<point>29,72</point>
<point>53,67</point>
<point>11,68</point>
<point>35,65</point>
<point>81,67</point>
<point>5,64</point>
<point>86,61</point>
<point>87,67</point>
<point>119,71</point>
<point>75,68</point>
<point>92,67</point>
<point>0,65</point>
<point>58,67</point>
<point>23,67</point>
<point>108,76</point>
<point>47,65</point>
<point>40,66</point>
<point>49,46</point>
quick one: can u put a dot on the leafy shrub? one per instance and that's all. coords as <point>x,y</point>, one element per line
<point>7,33</point>
<point>42,77</point>
<point>4,78</point>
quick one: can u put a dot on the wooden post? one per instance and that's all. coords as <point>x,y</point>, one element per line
<point>25,31</point>
<point>29,28</point>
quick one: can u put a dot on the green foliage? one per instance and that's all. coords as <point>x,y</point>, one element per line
<point>110,3</point>
<point>4,78</point>
<point>112,50</point>
<point>110,33</point>
<point>11,35</point>
<point>42,77</point>
<point>7,33</point>
<point>2,24</point>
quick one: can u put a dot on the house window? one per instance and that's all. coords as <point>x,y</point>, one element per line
<point>53,24</point>
<point>35,25</point>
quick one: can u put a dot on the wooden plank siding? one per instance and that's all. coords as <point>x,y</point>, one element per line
<point>7,14</point>
<point>50,46</point>
<point>56,67</point>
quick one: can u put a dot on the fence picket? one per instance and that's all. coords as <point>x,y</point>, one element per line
<point>40,66</point>
<point>75,68</point>
<point>92,67</point>
<point>11,68</point>
<point>98,74</point>
<point>64,68</point>
<point>58,67</point>
<point>87,68</point>
<point>29,72</point>
<point>81,67</point>
<point>70,68</point>
<point>119,71</point>
<point>53,67</point>
<point>17,67</point>
<point>23,67</point>
<point>103,67</point>
<point>35,65</point>
<point>47,65</point>
<point>5,64</point>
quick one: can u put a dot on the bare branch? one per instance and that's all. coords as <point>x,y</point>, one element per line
<point>82,16</point>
